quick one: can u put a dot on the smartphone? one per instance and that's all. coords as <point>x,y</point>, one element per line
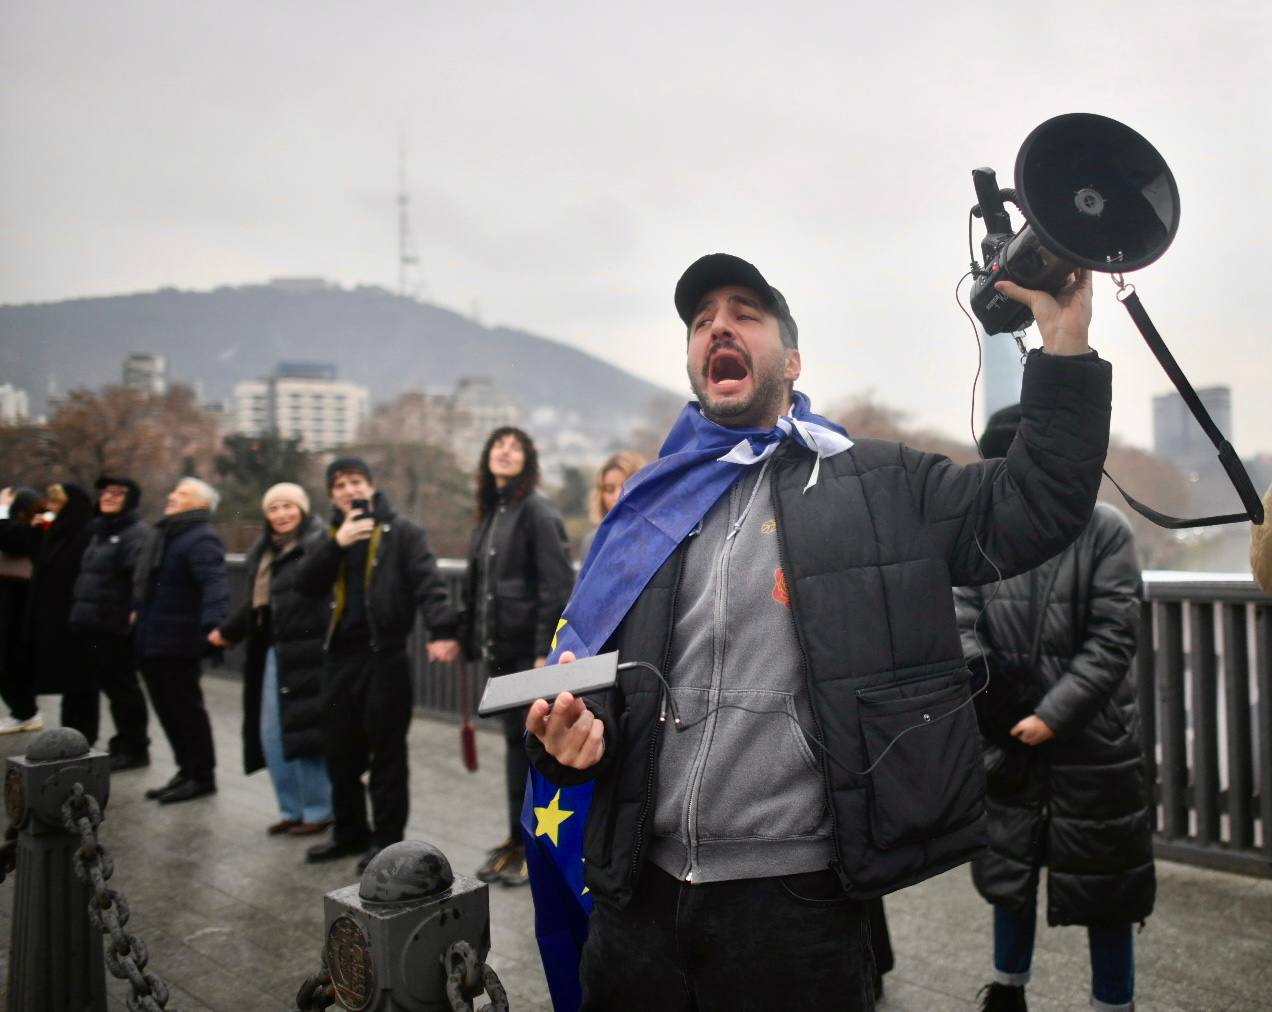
<point>518,690</point>
<point>360,509</point>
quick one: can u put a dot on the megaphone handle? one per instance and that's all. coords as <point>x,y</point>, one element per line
<point>1232,465</point>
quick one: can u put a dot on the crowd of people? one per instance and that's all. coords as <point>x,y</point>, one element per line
<point>91,597</point>
<point>877,665</point>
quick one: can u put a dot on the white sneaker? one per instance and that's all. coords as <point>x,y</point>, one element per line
<point>11,725</point>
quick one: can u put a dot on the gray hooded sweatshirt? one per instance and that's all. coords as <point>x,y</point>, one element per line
<point>740,789</point>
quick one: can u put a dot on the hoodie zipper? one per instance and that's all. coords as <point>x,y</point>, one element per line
<point>655,734</point>
<point>836,864</point>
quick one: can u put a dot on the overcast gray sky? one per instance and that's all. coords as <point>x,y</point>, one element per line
<point>568,160</point>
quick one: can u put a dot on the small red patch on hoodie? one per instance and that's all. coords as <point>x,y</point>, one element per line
<point>780,594</point>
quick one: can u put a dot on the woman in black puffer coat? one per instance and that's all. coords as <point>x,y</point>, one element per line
<point>100,616</point>
<point>1063,759</point>
<point>283,630</point>
<point>518,579</point>
<point>60,656</point>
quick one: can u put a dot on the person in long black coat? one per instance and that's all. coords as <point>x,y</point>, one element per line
<point>283,630</point>
<point>1064,765</point>
<point>518,579</point>
<point>101,617</point>
<point>20,538</point>
<point>60,659</point>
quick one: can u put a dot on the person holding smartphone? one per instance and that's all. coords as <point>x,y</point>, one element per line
<point>379,571</point>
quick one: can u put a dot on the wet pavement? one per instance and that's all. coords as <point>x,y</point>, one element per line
<point>233,918</point>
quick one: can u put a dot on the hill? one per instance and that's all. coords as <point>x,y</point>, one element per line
<point>389,343</point>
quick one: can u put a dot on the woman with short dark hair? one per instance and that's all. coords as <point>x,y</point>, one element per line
<point>518,580</point>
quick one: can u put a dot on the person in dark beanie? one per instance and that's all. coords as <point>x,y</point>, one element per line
<point>20,542</point>
<point>1064,769</point>
<point>60,661</point>
<point>379,569</point>
<point>182,593</point>
<point>101,617</point>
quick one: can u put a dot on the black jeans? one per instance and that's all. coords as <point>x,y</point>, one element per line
<point>516,760</point>
<point>750,944</point>
<point>114,672</point>
<point>367,702</point>
<point>173,683</point>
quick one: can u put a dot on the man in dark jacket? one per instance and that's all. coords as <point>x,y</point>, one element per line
<point>1062,754</point>
<point>823,751</point>
<point>101,616</point>
<point>182,593</point>
<point>381,571</point>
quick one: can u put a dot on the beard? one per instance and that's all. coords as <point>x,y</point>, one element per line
<point>767,399</point>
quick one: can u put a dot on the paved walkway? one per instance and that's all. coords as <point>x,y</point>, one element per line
<point>234,918</point>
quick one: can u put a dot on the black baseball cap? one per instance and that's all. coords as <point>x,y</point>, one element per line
<point>715,270</point>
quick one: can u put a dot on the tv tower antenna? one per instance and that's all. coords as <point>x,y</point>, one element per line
<point>406,240</point>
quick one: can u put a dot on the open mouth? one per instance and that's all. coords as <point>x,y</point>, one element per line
<point>728,367</point>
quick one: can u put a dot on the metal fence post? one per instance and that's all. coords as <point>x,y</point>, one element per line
<point>411,937</point>
<point>55,954</point>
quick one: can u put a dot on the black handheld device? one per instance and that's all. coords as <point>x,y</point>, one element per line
<point>518,690</point>
<point>360,509</point>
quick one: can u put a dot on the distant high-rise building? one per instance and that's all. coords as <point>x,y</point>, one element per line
<point>302,400</point>
<point>1179,439</point>
<point>146,373</point>
<point>1001,373</point>
<point>478,407</point>
<point>15,405</point>
<point>460,420</point>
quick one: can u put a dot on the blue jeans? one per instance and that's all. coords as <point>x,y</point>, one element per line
<point>302,785</point>
<point>1112,957</point>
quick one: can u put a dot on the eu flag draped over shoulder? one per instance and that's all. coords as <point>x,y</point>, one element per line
<point>660,505</point>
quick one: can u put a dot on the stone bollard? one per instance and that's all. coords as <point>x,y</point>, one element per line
<point>387,936</point>
<point>55,954</point>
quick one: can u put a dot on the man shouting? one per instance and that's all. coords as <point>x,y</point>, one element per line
<point>797,737</point>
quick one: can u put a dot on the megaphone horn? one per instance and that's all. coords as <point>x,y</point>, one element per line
<point>1094,194</point>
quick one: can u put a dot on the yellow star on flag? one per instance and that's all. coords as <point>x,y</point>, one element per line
<point>561,624</point>
<point>548,820</point>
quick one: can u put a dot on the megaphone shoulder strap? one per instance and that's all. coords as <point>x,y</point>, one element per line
<point>1232,465</point>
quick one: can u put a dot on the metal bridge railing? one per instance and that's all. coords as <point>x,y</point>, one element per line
<point>1204,678</point>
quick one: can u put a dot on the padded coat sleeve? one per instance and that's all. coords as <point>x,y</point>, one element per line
<point>1111,631</point>
<point>318,567</point>
<point>1020,510</point>
<point>207,565</point>
<point>429,589</point>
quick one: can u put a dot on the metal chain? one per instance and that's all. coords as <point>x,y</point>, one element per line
<point>126,953</point>
<point>467,977</point>
<point>9,853</point>
<point>316,992</point>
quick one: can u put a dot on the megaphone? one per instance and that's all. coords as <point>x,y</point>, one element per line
<point>1093,193</point>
